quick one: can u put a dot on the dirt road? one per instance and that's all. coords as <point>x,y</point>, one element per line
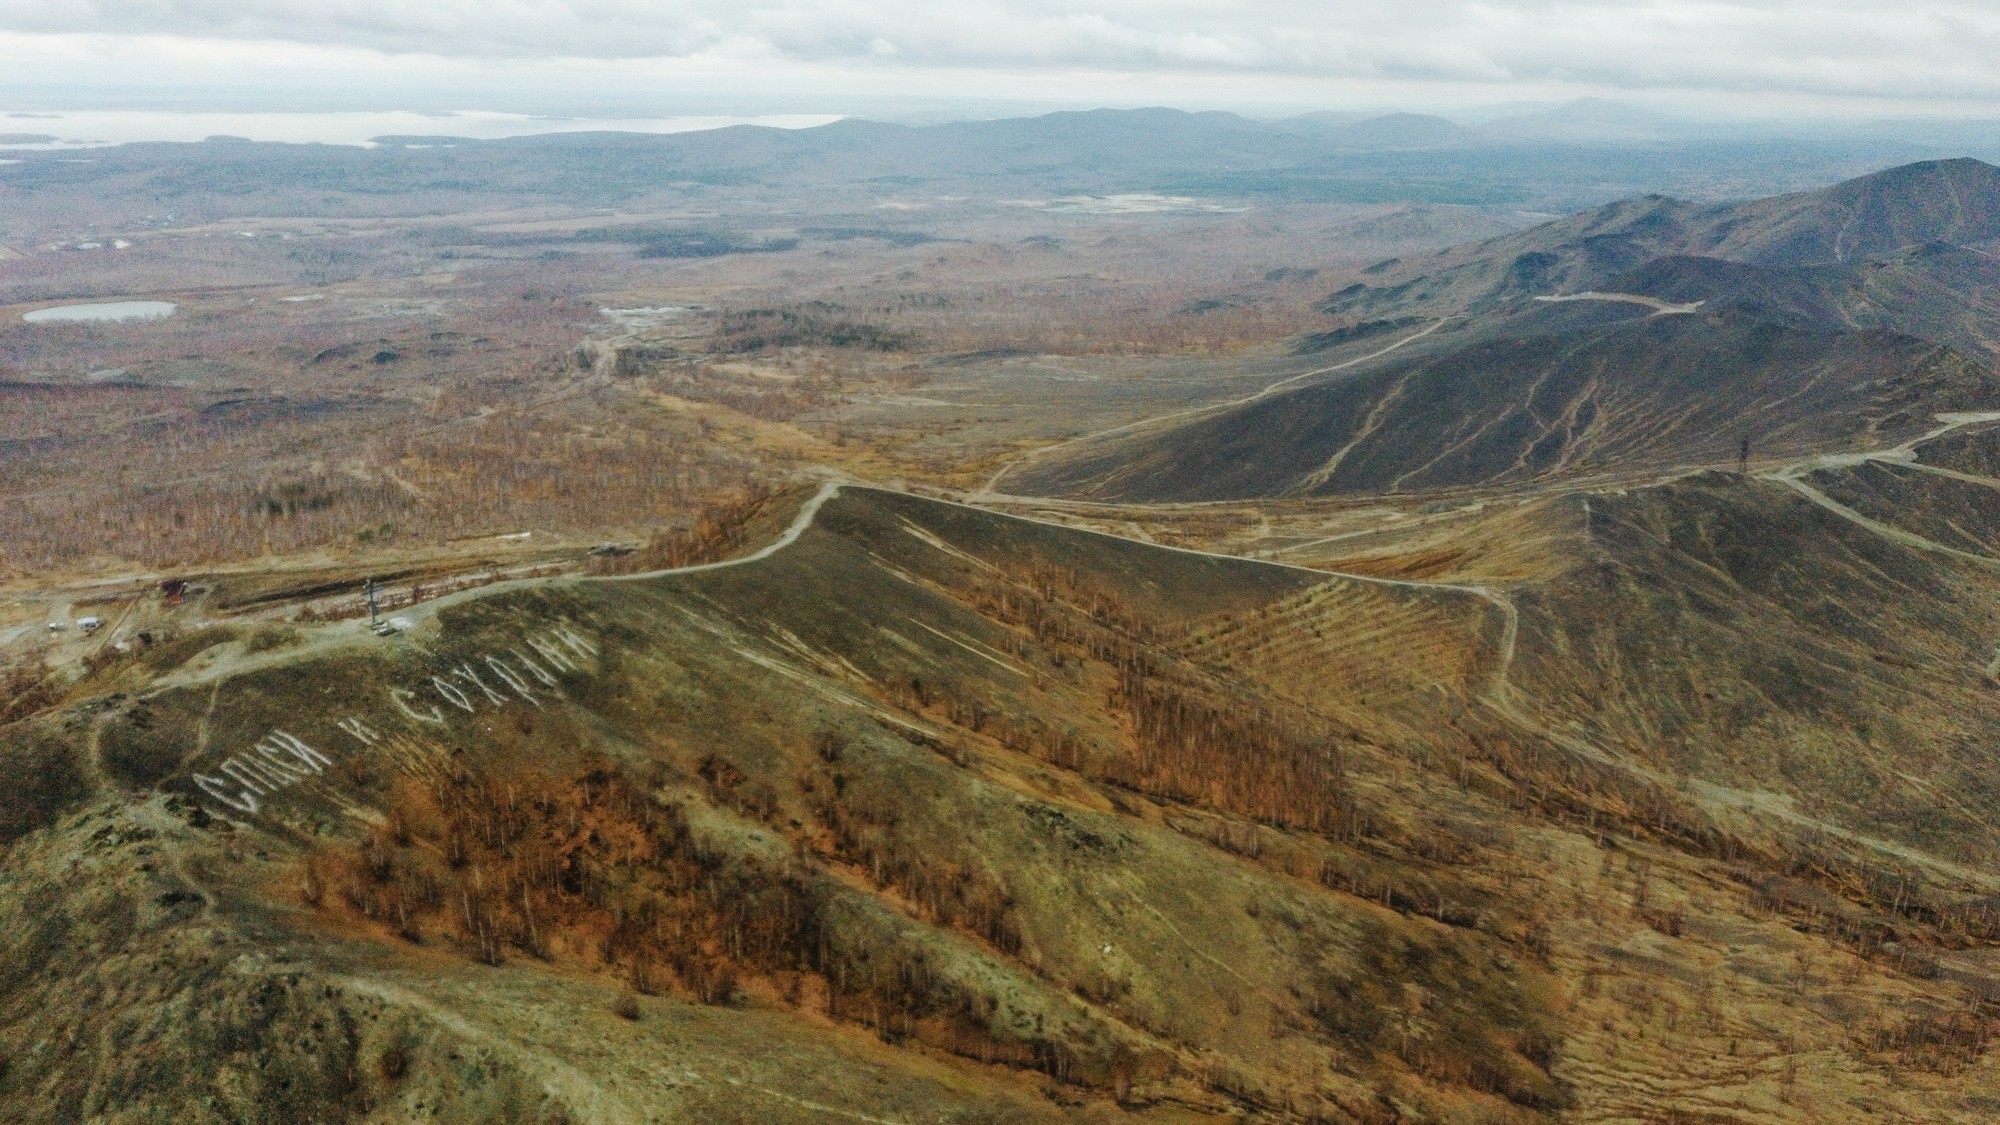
<point>989,491</point>
<point>1659,307</point>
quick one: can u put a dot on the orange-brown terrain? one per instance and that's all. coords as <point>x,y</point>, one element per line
<point>997,663</point>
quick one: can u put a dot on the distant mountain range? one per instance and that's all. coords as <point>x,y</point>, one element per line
<point>1556,158</point>
<point>1939,205</point>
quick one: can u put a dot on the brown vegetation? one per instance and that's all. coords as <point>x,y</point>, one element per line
<point>25,689</point>
<point>586,868</point>
<point>1940,1040</point>
<point>717,530</point>
<point>1454,1041</point>
<point>1188,740</point>
<point>594,869</point>
<point>862,832</point>
<point>200,490</point>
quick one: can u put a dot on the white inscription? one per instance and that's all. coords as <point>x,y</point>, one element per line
<point>533,668</point>
<point>451,694</point>
<point>569,636</point>
<point>550,651</point>
<point>509,677</point>
<point>217,788</point>
<point>281,760</point>
<point>465,672</point>
<point>402,697</point>
<point>362,732</point>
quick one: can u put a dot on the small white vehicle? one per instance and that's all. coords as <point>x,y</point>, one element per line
<point>90,624</point>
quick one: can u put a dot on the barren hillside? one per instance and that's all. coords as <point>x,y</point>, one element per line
<point>991,662</point>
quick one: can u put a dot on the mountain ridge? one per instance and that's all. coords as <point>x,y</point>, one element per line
<point>1642,395</point>
<point>1944,201</point>
<point>1618,340</point>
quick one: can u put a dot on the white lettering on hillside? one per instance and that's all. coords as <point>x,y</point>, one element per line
<point>247,781</point>
<point>362,732</point>
<point>513,681</point>
<point>465,673</point>
<point>274,763</point>
<point>402,697</point>
<point>548,650</point>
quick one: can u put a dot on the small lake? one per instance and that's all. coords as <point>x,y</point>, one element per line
<point>106,311</point>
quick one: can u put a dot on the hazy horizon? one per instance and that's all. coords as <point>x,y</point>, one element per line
<point>56,126</point>
<point>1730,60</point>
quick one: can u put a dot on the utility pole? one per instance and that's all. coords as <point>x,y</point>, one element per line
<point>1743,455</point>
<point>369,587</point>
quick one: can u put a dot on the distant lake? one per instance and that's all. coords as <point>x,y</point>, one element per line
<point>106,311</point>
<point>89,128</point>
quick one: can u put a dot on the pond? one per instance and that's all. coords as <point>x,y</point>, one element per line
<point>106,311</point>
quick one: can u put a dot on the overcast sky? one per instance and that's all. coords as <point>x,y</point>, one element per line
<point>1755,57</point>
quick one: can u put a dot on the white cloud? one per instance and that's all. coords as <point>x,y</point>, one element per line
<point>1946,50</point>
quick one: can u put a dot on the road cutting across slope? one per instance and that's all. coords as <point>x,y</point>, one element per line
<point>1499,695</point>
<point>987,491</point>
<point>1793,476</point>
<point>1659,307</point>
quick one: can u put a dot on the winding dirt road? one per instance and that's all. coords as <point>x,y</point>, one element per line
<point>988,492</point>
<point>1793,476</point>
<point>1659,307</point>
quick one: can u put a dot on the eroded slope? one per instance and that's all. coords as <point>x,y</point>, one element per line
<point>1642,394</point>
<point>938,813</point>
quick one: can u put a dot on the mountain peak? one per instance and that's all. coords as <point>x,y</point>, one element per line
<point>1920,179</point>
<point>1954,201</point>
